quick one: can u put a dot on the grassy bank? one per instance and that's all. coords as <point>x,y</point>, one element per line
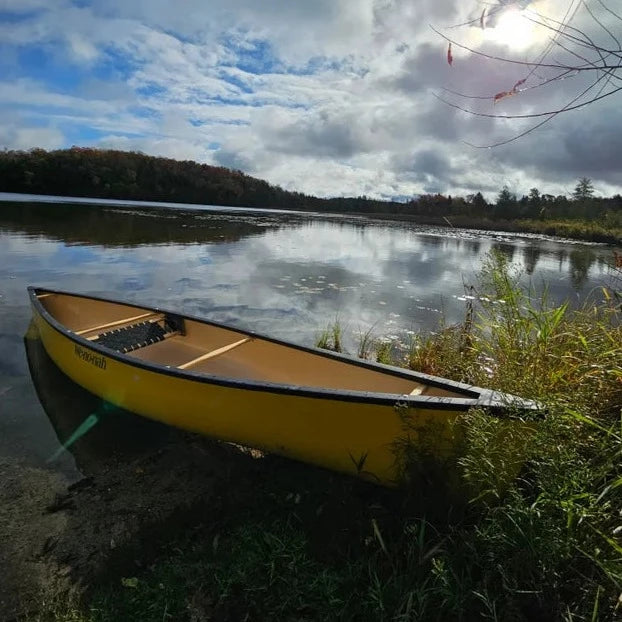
<point>307,545</point>
<point>574,229</point>
<point>590,231</point>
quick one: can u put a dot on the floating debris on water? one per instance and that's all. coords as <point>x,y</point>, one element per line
<point>308,290</point>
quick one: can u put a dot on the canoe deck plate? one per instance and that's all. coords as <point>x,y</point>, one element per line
<point>134,337</point>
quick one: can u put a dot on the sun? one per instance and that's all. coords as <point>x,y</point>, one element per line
<point>513,28</point>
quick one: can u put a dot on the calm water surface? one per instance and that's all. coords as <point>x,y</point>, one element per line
<point>284,274</point>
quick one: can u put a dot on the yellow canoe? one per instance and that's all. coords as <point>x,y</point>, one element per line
<point>319,407</point>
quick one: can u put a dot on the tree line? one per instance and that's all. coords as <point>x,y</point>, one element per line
<point>135,176</point>
<point>581,205</point>
<point>110,174</point>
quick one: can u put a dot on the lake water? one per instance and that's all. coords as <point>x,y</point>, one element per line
<point>287,275</point>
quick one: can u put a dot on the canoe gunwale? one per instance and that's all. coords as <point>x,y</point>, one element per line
<point>494,402</point>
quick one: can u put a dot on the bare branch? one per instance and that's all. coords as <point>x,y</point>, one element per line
<point>519,62</point>
<point>561,30</point>
<point>551,115</point>
<point>561,76</point>
<point>608,9</point>
<point>571,11</point>
<point>592,56</point>
<point>533,115</point>
<point>587,8</point>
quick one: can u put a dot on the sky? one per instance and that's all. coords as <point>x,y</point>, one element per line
<point>326,97</point>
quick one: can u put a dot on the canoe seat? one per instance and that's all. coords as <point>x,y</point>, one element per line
<point>134,337</point>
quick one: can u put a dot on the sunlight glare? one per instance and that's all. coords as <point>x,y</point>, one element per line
<point>512,29</point>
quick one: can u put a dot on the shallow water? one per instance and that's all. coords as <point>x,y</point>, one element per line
<point>284,274</point>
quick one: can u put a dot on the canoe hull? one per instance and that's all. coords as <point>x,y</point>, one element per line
<point>356,437</point>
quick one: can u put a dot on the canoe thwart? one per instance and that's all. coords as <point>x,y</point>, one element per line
<point>126,320</point>
<point>213,353</point>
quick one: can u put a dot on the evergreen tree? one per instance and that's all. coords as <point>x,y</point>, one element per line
<point>584,190</point>
<point>506,206</point>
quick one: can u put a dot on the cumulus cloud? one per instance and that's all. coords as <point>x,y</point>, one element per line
<point>329,97</point>
<point>21,137</point>
<point>165,147</point>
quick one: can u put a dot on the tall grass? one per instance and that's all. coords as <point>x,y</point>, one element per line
<point>331,337</point>
<point>551,546</point>
<point>366,342</point>
<point>518,342</point>
<point>368,346</point>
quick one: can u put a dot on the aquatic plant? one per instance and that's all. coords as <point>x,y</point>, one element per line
<point>331,337</point>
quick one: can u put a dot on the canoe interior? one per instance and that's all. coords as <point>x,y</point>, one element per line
<point>206,349</point>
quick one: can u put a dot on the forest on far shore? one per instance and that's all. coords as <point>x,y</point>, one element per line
<point>108,174</point>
